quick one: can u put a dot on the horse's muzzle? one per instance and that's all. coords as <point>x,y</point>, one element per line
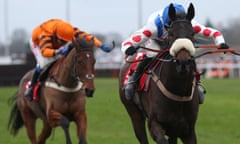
<point>89,92</point>
<point>184,65</point>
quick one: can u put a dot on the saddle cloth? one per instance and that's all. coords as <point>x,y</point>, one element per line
<point>144,82</point>
<point>35,90</point>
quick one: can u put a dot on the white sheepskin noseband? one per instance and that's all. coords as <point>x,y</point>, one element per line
<point>181,43</point>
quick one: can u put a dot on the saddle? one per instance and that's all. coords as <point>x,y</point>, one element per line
<point>41,80</point>
<point>144,82</point>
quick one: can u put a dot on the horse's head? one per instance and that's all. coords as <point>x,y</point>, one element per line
<point>179,68</point>
<point>84,65</point>
<point>181,36</point>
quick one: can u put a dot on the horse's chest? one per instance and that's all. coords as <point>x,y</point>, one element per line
<point>175,121</point>
<point>68,105</point>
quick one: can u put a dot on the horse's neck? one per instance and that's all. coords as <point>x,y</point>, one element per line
<point>65,68</point>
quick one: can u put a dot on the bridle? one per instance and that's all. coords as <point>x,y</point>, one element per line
<point>75,72</point>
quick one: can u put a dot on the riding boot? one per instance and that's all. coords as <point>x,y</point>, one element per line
<point>133,80</point>
<point>29,92</point>
<point>201,92</point>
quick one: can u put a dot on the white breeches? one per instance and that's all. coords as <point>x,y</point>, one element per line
<point>41,60</point>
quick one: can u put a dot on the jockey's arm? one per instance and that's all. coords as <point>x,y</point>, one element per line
<point>46,46</point>
<point>88,37</point>
<point>208,32</point>
<point>140,36</point>
<point>96,42</point>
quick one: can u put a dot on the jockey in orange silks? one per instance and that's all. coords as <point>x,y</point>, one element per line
<point>52,38</point>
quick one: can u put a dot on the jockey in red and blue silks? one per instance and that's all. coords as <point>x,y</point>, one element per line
<point>155,31</point>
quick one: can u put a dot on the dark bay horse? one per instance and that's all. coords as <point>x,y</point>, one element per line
<point>170,105</point>
<point>62,97</point>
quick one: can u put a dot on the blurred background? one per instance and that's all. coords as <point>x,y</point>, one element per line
<point>109,20</point>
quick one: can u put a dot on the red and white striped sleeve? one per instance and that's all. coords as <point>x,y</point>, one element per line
<point>208,32</point>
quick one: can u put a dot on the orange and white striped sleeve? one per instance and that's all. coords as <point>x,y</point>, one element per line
<point>87,36</point>
<point>46,46</point>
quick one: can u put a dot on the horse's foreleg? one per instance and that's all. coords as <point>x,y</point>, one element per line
<point>172,140</point>
<point>81,122</point>
<point>64,122</point>
<point>55,118</point>
<point>45,133</point>
<point>157,132</point>
<point>191,139</point>
<point>138,122</point>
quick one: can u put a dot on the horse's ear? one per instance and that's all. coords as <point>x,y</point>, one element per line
<point>171,12</point>
<point>190,12</point>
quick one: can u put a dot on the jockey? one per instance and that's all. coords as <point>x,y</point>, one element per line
<point>53,38</point>
<point>155,31</point>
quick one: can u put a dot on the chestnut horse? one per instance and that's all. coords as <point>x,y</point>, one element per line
<point>170,104</point>
<point>62,97</point>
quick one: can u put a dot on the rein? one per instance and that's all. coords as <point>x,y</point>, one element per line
<point>75,66</point>
<point>212,49</point>
<point>219,50</point>
<point>150,49</point>
<point>74,71</point>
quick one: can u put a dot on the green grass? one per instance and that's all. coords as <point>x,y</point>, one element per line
<point>219,116</point>
<point>108,122</point>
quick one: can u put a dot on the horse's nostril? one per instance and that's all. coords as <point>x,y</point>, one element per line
<point>89,92</point>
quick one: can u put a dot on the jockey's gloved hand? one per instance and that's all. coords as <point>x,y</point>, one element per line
<point>223,46</point>
<point>106,48</point>
<point>131,50</point>
<point>63,51</point>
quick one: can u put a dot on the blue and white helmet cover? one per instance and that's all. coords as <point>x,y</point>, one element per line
<point>178,8</point>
